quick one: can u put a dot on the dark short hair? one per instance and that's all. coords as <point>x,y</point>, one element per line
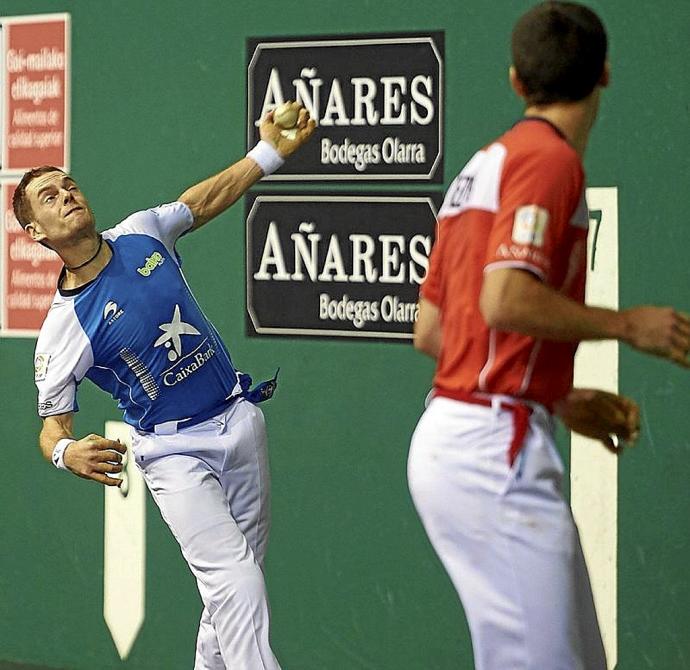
<point>559,52</point>
<point>20,203</point>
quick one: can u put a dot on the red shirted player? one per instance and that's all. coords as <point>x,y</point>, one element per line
<point>518,204</point>
<point>502,310</point>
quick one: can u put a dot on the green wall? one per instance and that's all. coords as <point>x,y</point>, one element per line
<point>158,102</point>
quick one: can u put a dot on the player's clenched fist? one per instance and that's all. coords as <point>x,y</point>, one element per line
<point>662,331</point>
<point>93,456</point>
<point>601,416</point>
<point>284,136</point>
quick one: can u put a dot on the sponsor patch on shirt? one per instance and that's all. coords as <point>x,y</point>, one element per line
<point>530,225</point>
<point>41,366</point>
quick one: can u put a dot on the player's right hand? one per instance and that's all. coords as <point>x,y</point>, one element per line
<point>93,456</point>
<point>601,416</point>
<point>285,145</point>
<point>661,331</point>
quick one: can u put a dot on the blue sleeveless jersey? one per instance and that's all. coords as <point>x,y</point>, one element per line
<point>137,332</point>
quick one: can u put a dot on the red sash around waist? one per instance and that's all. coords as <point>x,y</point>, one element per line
<point>521,413</point>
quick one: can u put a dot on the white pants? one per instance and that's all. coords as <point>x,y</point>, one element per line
<point>211,483</point>
<point>506,537</point>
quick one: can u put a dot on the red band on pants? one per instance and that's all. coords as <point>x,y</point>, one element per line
<point>521,413</point>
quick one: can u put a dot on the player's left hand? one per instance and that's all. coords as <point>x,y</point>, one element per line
<point>283,143</point>
<point>601,416</point>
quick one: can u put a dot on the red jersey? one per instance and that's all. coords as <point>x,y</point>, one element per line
<point>518,203</point>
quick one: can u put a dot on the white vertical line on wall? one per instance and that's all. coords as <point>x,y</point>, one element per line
<point>124,555</point>
<point>593,470</point>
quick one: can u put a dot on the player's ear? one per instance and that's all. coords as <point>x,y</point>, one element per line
<point>515,82</point>
<point>34,231</point>
<point>605,75</point>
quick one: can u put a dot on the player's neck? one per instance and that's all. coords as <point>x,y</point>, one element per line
<point>573,119</point>
<point>84,260</point>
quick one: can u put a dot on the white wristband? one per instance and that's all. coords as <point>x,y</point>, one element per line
<point>266,157</point>
<point>59,452</point>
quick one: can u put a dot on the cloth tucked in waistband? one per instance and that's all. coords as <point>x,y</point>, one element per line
<point>520,410</point>
<point>261,392</point>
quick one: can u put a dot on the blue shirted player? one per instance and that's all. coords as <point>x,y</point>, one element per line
<point>125,318</point>
<point>137,332</point>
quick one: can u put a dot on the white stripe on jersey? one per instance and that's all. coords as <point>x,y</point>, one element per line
<point>478,185</point>
<point>491,358</point>
<point>63,340</point>
<point>165,222</point>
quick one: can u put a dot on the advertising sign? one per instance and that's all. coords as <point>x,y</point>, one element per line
<point>337,265</point>
<point>35,92</point>
<point>378,101</point>
<point>29,274</point>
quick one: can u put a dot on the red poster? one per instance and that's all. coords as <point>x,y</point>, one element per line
<point>36,64</point>
<point>29,273</point>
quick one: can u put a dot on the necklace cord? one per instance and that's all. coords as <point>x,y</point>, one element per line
<point>85,263</point>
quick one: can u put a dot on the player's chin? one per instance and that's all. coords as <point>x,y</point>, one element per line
<point>82,220</point>
<point>75,215</point>
<point>76,233</point>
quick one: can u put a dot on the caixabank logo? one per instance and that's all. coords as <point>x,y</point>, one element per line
<point>378,101</point>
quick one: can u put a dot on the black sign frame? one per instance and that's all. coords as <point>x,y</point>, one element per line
<point>434,168</point>
<point>254,327</point>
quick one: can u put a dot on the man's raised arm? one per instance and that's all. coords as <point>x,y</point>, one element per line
<point>214,195</point>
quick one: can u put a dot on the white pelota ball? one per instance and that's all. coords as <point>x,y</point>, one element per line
<point>285,116</point>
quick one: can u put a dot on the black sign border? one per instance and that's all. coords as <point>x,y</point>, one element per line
<point>437,40</point>
<point>326,334</point>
